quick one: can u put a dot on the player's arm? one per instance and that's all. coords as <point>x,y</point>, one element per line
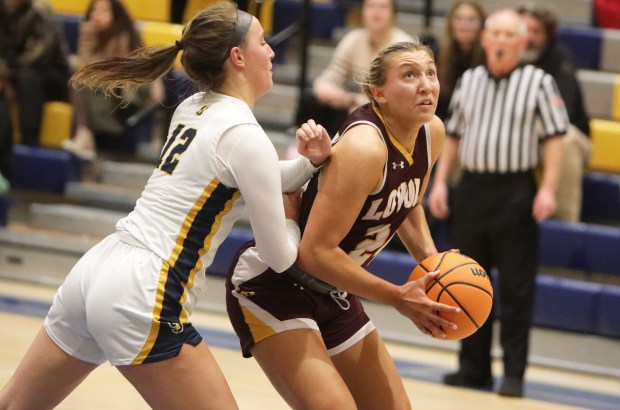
<point>414,232</point>
<point>252,160</point>
<point>353,171</point>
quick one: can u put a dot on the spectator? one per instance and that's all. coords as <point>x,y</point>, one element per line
<point>335,92</point>
<point>498,114</point>
<point>33,61</point>
<point>371,189</point>
<point>544,51</point>
<point>107,31</point>
<point>460,48</point>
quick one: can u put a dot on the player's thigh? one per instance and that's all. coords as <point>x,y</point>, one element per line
<point>371,375</point>
<point>191,380</point>
<point>297,364</point>
<point>45,376</point>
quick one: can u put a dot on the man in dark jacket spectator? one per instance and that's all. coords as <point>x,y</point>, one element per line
<point>33,61</point>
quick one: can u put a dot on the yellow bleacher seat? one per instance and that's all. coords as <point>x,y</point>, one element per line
<point>56,124</point>
<point>155,34</point>
<point>194,6</point>
<point>148,10</point>
<point>266,14</point>
<point>605,145</point>
<point>70,6</point>
<point>160,34</point>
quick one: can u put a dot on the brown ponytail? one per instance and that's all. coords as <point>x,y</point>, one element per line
<point>205,43</point>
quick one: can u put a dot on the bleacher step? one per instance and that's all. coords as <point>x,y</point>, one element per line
<point>39,257</point>
<point>129,175</point>
<point>103,195</point>
<point>74,219</point>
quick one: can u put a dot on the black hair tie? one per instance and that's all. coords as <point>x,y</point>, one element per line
<point>179,45</point>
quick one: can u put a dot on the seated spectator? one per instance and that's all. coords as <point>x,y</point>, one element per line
<point>544,51</point>
<point>335,92</point>
<point>33,61</point>
<point>107,31</point>
<point>460,48</point>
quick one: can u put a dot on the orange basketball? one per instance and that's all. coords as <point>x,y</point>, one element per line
<point>462,283</point>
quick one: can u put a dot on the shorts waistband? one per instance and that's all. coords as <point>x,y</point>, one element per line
<point>130,240</point>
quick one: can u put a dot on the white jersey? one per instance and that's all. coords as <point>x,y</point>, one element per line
<point>129,298</point>
<point>201,185</point>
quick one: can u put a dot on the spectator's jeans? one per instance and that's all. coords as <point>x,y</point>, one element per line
<point>6,137</point>
<point>33,87</point>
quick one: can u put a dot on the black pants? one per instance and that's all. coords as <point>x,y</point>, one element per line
<point>34,87</point>
<point>492,222</point>
<point>310,108</point>
<point>6,137</point>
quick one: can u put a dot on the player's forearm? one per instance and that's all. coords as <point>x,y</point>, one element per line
<point>335,267</point>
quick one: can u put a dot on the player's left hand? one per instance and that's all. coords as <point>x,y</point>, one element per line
<point>313,142</point>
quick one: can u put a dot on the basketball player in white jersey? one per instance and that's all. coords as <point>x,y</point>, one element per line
<point>312,338</point>
<point>129,299</point>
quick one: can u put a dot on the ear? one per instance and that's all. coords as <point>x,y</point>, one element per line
<point>377,94</point>
<point>236,57</point>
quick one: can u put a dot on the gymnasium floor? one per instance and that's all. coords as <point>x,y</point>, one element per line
<point>23,306</point>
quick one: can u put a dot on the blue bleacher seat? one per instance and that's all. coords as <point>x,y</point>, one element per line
<point>43,169</point>
<point>567,304</point>
<point>609,311</point>
<point>601,198</point>
<point>227,250</point>
<point>584,43</point>
<point>602,249</point>
<point>130,141</point>
<point>392,266</point>
<point>325,16</point>
<point>580,246</point>
<point>563,245</point>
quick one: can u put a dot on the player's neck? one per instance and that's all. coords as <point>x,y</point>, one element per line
<point>240,89</point>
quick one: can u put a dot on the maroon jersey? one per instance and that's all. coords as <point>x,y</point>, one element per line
<point>386,208</point>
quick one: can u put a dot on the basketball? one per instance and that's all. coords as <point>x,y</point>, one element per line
<point>462,283</point>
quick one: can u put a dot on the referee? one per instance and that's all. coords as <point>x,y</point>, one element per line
<point>498,115</point>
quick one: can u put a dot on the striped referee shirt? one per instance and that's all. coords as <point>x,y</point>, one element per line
<point>501,121</point>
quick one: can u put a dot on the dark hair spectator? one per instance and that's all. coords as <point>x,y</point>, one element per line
<point>544,51</point>
<point>107,31</point>
<point>34,67</point>
<point>460,48</point>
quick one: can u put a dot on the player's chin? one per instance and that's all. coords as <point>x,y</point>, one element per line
<point>427,112</point>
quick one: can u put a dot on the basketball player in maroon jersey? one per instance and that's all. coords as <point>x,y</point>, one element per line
<point>308,331</point>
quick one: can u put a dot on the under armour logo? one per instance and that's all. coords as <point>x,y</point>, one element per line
<point>397,165</point>
<point>175,327</point>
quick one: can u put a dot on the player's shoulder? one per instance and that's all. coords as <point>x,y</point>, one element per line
<point>364,142</point>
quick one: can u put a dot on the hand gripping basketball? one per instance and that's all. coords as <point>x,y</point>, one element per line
<point>461,282</point>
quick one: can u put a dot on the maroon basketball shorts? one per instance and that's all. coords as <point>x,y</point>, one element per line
<point>272,302</point>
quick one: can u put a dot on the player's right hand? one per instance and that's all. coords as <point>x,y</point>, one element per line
<point>424,312</point>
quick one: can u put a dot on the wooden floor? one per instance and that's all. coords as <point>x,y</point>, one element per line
<point>23,306</point>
